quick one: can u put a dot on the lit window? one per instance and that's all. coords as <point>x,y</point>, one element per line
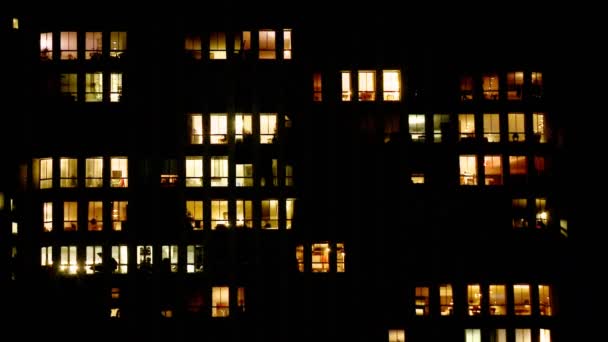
<point>275,178</point>
<point>288,175</point>
<point>267,44</point>
<point>422,301</point>
<point>396,335</point>
<point>346,86</point>
<point>286,44</point>
<point>545,335</point>
<point>300,257</point>
<point>498,300</point>
<point>119,172</point>
<point>417,123</point>
<point>523,335</point>
<point>242,42</point>
<point>118,44</point>
<point>243,127</point>
<point>446,300</point>
<point>15,23</point>
<point>521,300</point>
<point>417,178</point>
<point>563,227</point>
<point>145,258</point>
<point>268,128</point>
<point>544,300</point>
<point>169,258</point>
<point>244,174</point>
<point>220,302</point>
<point>219,171</point>
<point>474,299</point>
<point>69,86</point>
<point>69,45</point>
<point>441,125</point>
<point>492,168</point>
<point>47,216</point>
<point>46,46</point>
<point>45,173</point>
<point>68,262</point>
<point>539,127</point>
<point>536,88</point>
<point>95,216</point>
<point>466,126</point>
<point>94,172</point>
<point>498,335</point>
<point>194,171</point>
<point>68,170</point>
<point>194,213</point>
<point>192,44</point>
<point>490,87</point>
<point>194,258</point>
<point>391,85</point>
<point>289,206</point>
<point>115,87</point>
<point>196,129</point>
<point>244,214</point>
<point>320,257</point>
<point>367,85</point>
<point>518,169</point>
<point>466,88</point>
<point>93,259</point>
<point>240,299</point>
<point>270,214</point>
<point>14,228</point>
<point>46,256</point>
<point>219,214</point>
<point>94,87</point>
<point>542,215</point>
<point>472,335</point>
<point>517,132</point>
<point>317,87</point>
<point>70,216</point>
<point>218,128</point>
<point>468,170</point>
<point>93,45</point>
<point>515,84</point>
<point>217,45</point>
<point>491,127</point>
<point>120,260</point>
<point>119,215</point>
<point>519,207</point>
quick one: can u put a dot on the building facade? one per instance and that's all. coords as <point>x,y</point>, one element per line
<point>273,179</point>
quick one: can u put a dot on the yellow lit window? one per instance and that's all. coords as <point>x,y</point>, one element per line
<point>46,256</point>
<point>396,335</point>
<point>119,172</point>
<point>192,45</point>
<point>498,300</point>
<point>196,129</point>
<point>267,44</point>
<point>492,168</point>
<point>544,300</point>
<point>243,127</point>
<point>119,215</point>
<point>468,170</point>
<point>474,299</point>
<point>115,87</point>
<point>540,127</point>
<point>220,301</point>
<point>300,257</point>
<point>517,132</point>
<point>287,44</point>
<point>521,300</point>
<point>422,301</point>
<point>466,88</point>
<point>320,257</point>
<point>490,87</point>
<point>367,85</point>
<point>219,171</point>
<point>47,216</point>
<point>68,170</point>
<point>217,45</point>
<point>92,45</point>
<point>95,216</point>
<point>346,86</point>
<point>268,128</point>
<point>244,214</point>
<point>93,87</point>
<point>219,214</point>
<point>515,85</point>
<point>466,126</point>
<point>391,85</point>
<point>491,127</point>
<point>118,44</point>
<point>194,212</point>
<point>270,214</point>
<point>93,259</point>
<point>70,216</point>
<point>446,300</point>
<point>317,87</point>
<point>68,262</point>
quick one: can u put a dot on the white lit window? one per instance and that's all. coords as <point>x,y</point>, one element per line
<point>47,216</point>
<point>46,256</point>
<point>517,132</point>
<point>244,174</point>
<point>196,129</point>
<point>169,258</point>
<point>68,262</point>
<point>120,259</point>
<point>268,128</point>
<point>218,132</point>
<point>46,46</point>
<point>468,170</point>
<point>194,258</point>
<point>466,126</point>
<point>46,173</point>
<point>69,45</point>
<point>194,171</point>
<point>416,124</point>
<point>115,87</point>
<point>145,258</point>
<point>472,335</point>
<point>391,85</point>
<point>242,127</point>
<point>219,171</point>
<point>545,335</point>
<point>93,259</point>
<point>14,228</point>
<point>367,85</point>
<point>346,86</point>
<point>523,335</point>
<point>491,127</point>
<point>289,206</point>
